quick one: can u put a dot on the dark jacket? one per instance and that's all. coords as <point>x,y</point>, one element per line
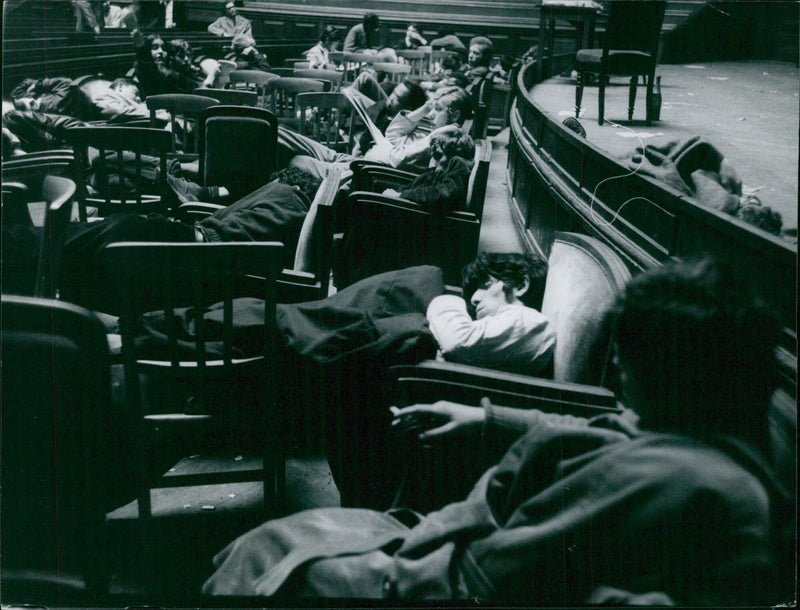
<point>441,191</point>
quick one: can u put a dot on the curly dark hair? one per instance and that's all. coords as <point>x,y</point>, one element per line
<point>294,176</point>
<point>511,268</point>
<point>698,349</point>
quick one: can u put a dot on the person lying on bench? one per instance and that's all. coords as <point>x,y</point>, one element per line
<point>670,502</point>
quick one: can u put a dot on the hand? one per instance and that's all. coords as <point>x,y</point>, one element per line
<point>391,193</point>
<point>442,418</point>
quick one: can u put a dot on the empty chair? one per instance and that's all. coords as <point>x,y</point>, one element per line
<point>283,92</point>
<point>418,59</point>
<point>121,169</point>
<point>215,389</point>
<point>630,48</point>
<point>183,110</point>
<point>251,80</point>
<point>230,97</point>
<point>334,77</point>
<point>237,144</point>
<point>394,72</point>
<point>327,118</point>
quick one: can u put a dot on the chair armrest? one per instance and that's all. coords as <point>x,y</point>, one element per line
<point>197,210</point>
<point>364,172</point>
<point>433,380</point>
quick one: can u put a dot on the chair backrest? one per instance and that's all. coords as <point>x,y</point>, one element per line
<point>324,117</point>
<point>130,171</point>
<point>418,59</point>
<point>476,188</point>
<point>334,77</point>
<point>283,92</point>
<point>301,65</point>
<point>409,236</point>
<point>236,143</point>
<point>634,26</point>
<point>57,447</point>
<point>315,242</point>
<point>58,194</point>
<point>393,71</point>
<point>351,64</point>
<point>230,97</point>
<point>583,278</point>
<point>481,102</point>
<point>160,277</point>
<point>251,80</point>
<point>183,110</point>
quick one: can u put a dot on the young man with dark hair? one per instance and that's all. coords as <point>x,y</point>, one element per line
<point>500,327</point>
<point>672,501</point>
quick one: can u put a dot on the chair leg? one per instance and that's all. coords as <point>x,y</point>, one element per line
<point>601,98</point>
<point>578,94</point>
<point>649,98</point>
<point>632,96</point>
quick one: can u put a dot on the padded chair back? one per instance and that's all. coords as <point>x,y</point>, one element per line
<point>583,278</point>
<point>236,143</point>
<point>57,447</point>
<point>408,237</point>
<point>324,117</point>
<point>634,26</point>
<point>478,178</point>
<point>130,171</point>
<point>301,65</point>
<point>230,97</point>
<point>183,110</point>
<point>58,194</point>
<point>334,77</point>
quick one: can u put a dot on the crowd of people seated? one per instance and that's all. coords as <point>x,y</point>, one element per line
<point>669,501</point>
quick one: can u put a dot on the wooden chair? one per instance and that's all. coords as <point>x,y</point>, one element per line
<point>129,158</point>
<point>630,48</point>
<point>394,72</point>
<point>309,277</point>
<point>57,450</point>
<point>583,279</point>
<point>283,92</point>
<point>236,143</point>
<point>326,117</point>
<point>230,97</point>
<point>334,77</point>
<point>301,65</point>
<point>183,110</point>
<point>418,59</point>
<point>214,396</point>
<point>251,80</point>
<point>351,64</point>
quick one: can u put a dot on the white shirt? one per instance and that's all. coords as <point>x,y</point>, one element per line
<point>515,338</point>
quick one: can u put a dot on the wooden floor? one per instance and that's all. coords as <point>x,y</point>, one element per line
<point>747,109</point>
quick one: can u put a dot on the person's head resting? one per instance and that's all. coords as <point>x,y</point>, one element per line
<point>329,36</point>
<point>448,142</point>
<point>127,88</point>
<point>407,95</point>
<point>242,42</point>
<point>304,183</point>
<point>158,49</point>
<point>371,22</point>
<point>452,108</point>
<point>695,350</point>
<point>496,279</point>
<point>229,9</point>
<point>480,52</point>
<point>179,53</point>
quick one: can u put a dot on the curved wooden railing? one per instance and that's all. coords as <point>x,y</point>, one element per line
<point>553,179</point>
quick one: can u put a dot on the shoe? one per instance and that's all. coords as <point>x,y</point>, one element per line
<point>573,124</point>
